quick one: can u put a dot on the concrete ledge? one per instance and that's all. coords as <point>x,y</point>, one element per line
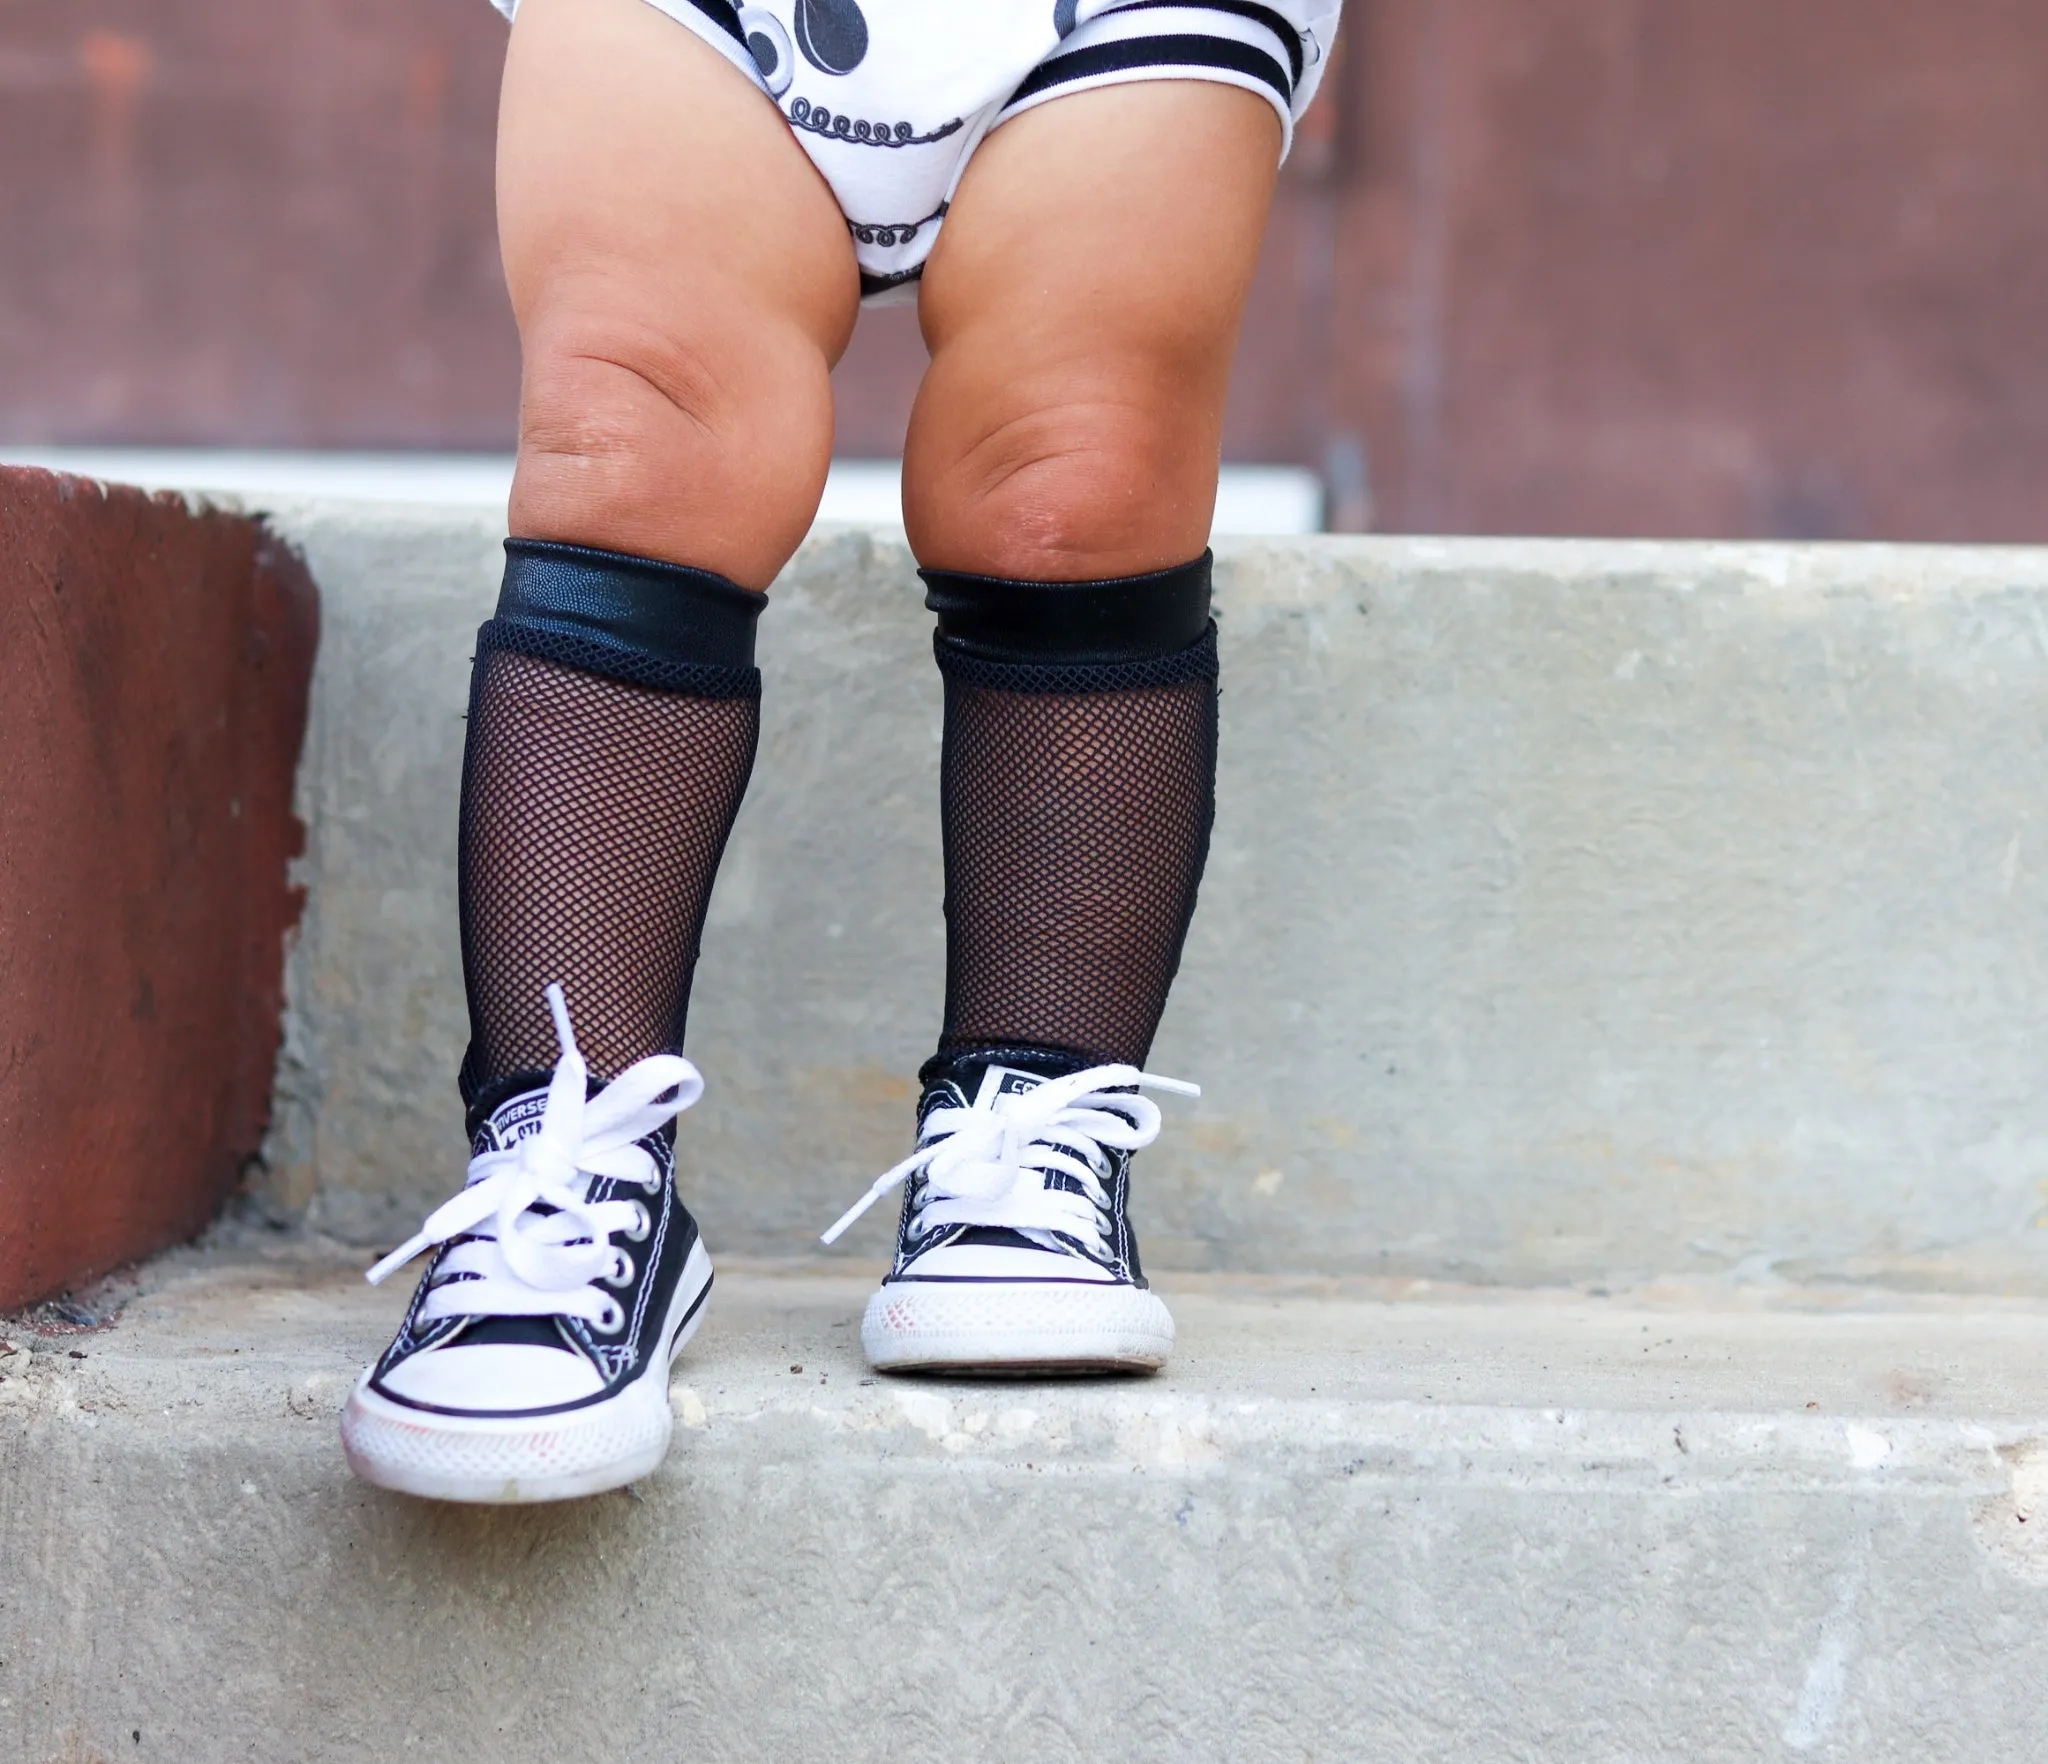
<point>1461,1526</point>
<point>1578,912</point>
<point>154,666</point>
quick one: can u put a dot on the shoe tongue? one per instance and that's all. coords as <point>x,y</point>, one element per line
<point>1004,1081</point>
<point>514,1119</point>
<point>963,1070</point>
<point>515,1332</point>
<point>997,1080</point>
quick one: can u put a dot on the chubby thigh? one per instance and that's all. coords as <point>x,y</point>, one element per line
<point>1081,309</point>
<point>684,281</point>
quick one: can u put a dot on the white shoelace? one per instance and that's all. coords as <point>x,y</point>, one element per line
<point>522,1263</point>
<point>989,1166</point>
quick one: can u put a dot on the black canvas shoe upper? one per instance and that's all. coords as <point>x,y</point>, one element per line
<point>1022,1171</point>
<point>556,1274</point>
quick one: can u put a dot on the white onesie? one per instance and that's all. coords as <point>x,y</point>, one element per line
<point>890,98</point>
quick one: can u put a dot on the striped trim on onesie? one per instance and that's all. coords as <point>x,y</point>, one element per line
<point>890,98</point>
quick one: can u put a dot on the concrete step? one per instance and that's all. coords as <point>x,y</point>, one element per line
<point>1249,499</point>
<point>1358,1520</point>
<point>1578,911</point>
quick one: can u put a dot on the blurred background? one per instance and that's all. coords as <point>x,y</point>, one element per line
<point>1746,268</point>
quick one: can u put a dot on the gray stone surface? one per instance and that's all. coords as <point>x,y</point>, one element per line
<point>1578,911</point>
<point>1355,1520</point>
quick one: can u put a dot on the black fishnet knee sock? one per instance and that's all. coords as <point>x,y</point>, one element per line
<point>594,813</point>
<point>1077,800</point>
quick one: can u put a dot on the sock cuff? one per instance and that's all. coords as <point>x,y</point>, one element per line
<point>1126,619</point>
<point>966,667</point>
<point>633,619</point>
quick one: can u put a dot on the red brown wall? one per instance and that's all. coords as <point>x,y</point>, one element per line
<point>154,667</point>
<point>1625,266</point>
<point>251,221</point>
<point>1693,266</point>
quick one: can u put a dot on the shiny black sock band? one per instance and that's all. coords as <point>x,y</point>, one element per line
<point>1124,619</point>
<point>634,619</point>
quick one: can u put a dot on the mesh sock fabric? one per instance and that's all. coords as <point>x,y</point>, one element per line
<point>613,715</point>
<point>1078,786</point>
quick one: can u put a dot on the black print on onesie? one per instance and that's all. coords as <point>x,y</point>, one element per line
<point>803,114</point>
<point>768,44</point>
<point>833,34</point>
<point>894,232</point>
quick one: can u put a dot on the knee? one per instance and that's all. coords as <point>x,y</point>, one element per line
<point>680,448</point>
<point>1067,492</point>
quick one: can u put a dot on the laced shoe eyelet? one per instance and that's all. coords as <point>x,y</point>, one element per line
<point>621,1270</point>
<point>613,1319</point>
<point>644,1223</point>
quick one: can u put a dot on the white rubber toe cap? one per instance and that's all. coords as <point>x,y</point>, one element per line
<point>493,1377</point>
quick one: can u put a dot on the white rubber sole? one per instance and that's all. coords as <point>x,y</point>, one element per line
<point>511,1461</point>
<point>1015,1329</point>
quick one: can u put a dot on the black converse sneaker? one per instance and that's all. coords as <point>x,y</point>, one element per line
<point>533,1362</point>
<point>1015,1253</point>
